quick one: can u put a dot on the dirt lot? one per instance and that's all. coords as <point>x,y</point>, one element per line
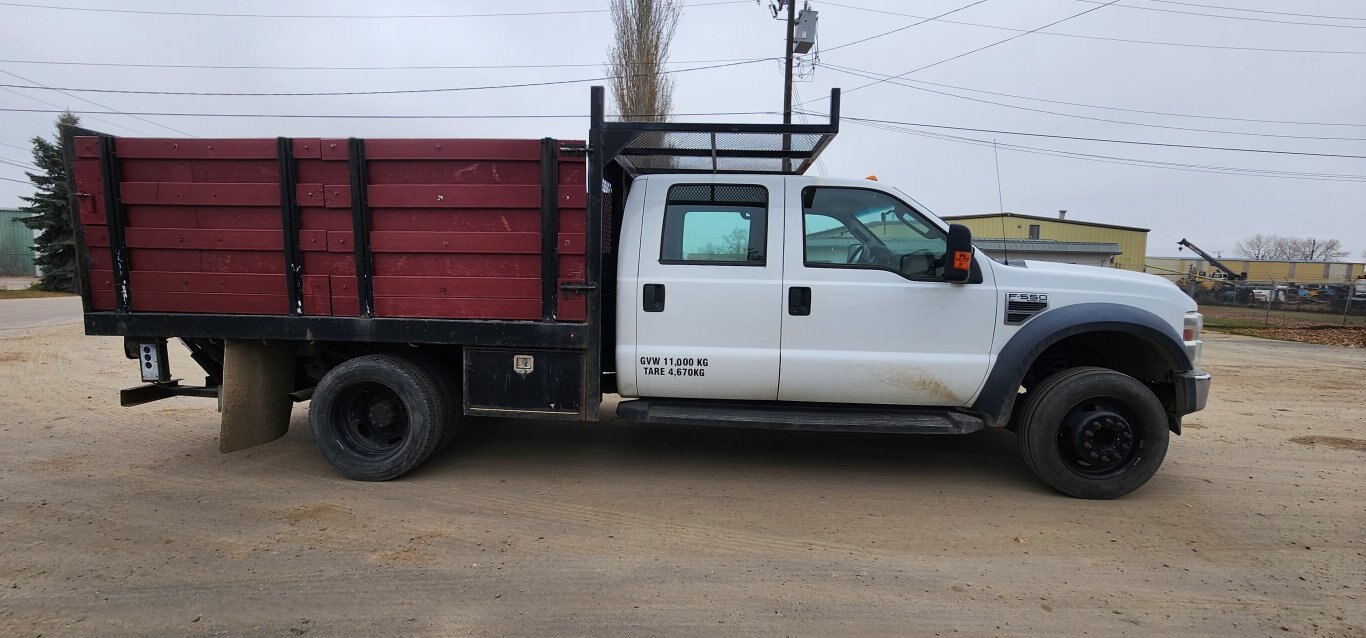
<point>128,522</point>
<point>1288,325</point>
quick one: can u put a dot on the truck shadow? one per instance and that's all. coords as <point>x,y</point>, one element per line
<point>619,447</point>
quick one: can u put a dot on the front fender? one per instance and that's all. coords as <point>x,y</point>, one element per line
<point>997,398</point>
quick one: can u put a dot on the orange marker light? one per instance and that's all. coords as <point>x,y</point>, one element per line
<point>962,260</point>
<point>871,178</point>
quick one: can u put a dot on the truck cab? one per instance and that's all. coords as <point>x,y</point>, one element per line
<point>743,295</point>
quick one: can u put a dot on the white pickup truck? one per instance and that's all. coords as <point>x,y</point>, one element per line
<point>708,282</point>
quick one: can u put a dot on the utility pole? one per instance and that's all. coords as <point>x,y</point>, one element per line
<point>787,76</point>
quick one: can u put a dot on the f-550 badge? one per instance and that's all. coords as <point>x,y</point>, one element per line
<point>1027,296</point>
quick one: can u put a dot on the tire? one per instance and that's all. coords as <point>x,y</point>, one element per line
<point>1093,433</point>
<point>450,389</point>
<point>376,417</point>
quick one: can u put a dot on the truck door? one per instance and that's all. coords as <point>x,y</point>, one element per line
<point>709,288</point>
<point>866,318</point>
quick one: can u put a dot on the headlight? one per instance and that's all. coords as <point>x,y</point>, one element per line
<point>1190,333</point>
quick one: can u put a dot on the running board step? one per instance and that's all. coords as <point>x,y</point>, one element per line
<point>779,416</point>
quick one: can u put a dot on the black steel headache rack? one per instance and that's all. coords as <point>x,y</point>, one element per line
<point>681,147</point>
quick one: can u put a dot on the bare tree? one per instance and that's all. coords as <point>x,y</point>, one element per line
<point>642,31</point>
<point>1257,247</point>
<point>1261,246</point>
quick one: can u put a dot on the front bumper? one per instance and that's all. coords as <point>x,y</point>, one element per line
<point>1192,390</point>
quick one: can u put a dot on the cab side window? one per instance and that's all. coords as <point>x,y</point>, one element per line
<point>863,228</point>
<point>715,224</point>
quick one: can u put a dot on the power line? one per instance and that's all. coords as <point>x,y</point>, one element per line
<point>1104,38</point>
<point>873,76</point>
<point>17,181</point>
<point>1236,149</point>
<point>382,116</point>
<point>1127,110</point>
<point>63,109</point>
<point>981,48</point>
<point>23,165</point>
<point>1127,161</point>
<point>350,68</point>
<point>900,29</point>
<point>22,148</point>
<point>1245,18</point>
<point>379,92</point>
<point>1279,13</point>
<point>339,17</point>
<point>103,106</point>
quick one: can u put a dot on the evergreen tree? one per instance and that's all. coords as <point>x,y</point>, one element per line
<point>52,214</point>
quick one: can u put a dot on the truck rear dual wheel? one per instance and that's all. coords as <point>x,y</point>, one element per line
<point>1092,432</point>
<point>377,417</point>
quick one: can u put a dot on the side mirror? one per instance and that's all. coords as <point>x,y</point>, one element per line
<point>958,255</point>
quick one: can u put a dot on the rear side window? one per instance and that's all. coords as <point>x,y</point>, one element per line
<point>715,224</point>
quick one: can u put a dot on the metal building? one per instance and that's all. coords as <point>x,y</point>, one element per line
<point>1057,239</point>
<point>16,245</point>
<point>1266,271</point>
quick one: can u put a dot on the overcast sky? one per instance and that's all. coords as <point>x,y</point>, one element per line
<point>952,177</point>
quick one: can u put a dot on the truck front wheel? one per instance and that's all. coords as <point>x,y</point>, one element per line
<point>377,417</point>
<point>1092,432</point>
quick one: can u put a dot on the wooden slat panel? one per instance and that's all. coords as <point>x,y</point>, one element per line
<point>307,148</point>
<point>231,171</point>
<point>337,195</point>
<point>454,172</point>
<point>203,217</point>
<point>573,196</point>
<point>324,219</point>
<point>166,260</point>
<point>453,196</point>
<point>87,146</point>
<point>313,240</point>
<point>457,265</point>
<point>209,303</point>
<point>481,243</point>
<point>457,287</point>
<point>339,241</point>
<point>203,282</point>
<point>317,306</point>
<point>90,190</point>
<point>102,299</point>
<point>452,149</point>
<point>134,147</point>
<point>181,193</point>
<point>572,267</point>
<point>345,306</point>
<point>323,172</point>
<point>316,263</point>
<point>525,220</point>
<point>156,170</point>
<point>458,308</point>
<point>97,236</point>
<point>241,261</point>
<point>200,239</point>
<point>318,285</point>
<point>100,259</point>
<point>572,308</point>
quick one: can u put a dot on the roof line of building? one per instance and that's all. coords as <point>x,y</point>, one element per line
<point>1045,219</point>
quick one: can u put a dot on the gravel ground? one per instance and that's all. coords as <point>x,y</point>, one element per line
<point>121,521</point>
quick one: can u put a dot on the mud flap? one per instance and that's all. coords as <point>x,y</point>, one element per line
<point>257,380</point>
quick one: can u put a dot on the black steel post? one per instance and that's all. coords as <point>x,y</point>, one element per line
<point>787,79</point>
<point>360,227</point>
<point>113,203</point>
<point>550,227</point>
<point>289,224</point>
<point>592,378</point>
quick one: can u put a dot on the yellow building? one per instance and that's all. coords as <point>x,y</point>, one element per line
<point>1300,272</point>
<point>1132,242</point>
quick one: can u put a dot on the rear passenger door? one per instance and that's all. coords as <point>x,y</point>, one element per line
<point>709,297</point>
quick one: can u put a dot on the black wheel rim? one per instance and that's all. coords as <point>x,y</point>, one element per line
<point>370,419</point>
<point>1097,438</point>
